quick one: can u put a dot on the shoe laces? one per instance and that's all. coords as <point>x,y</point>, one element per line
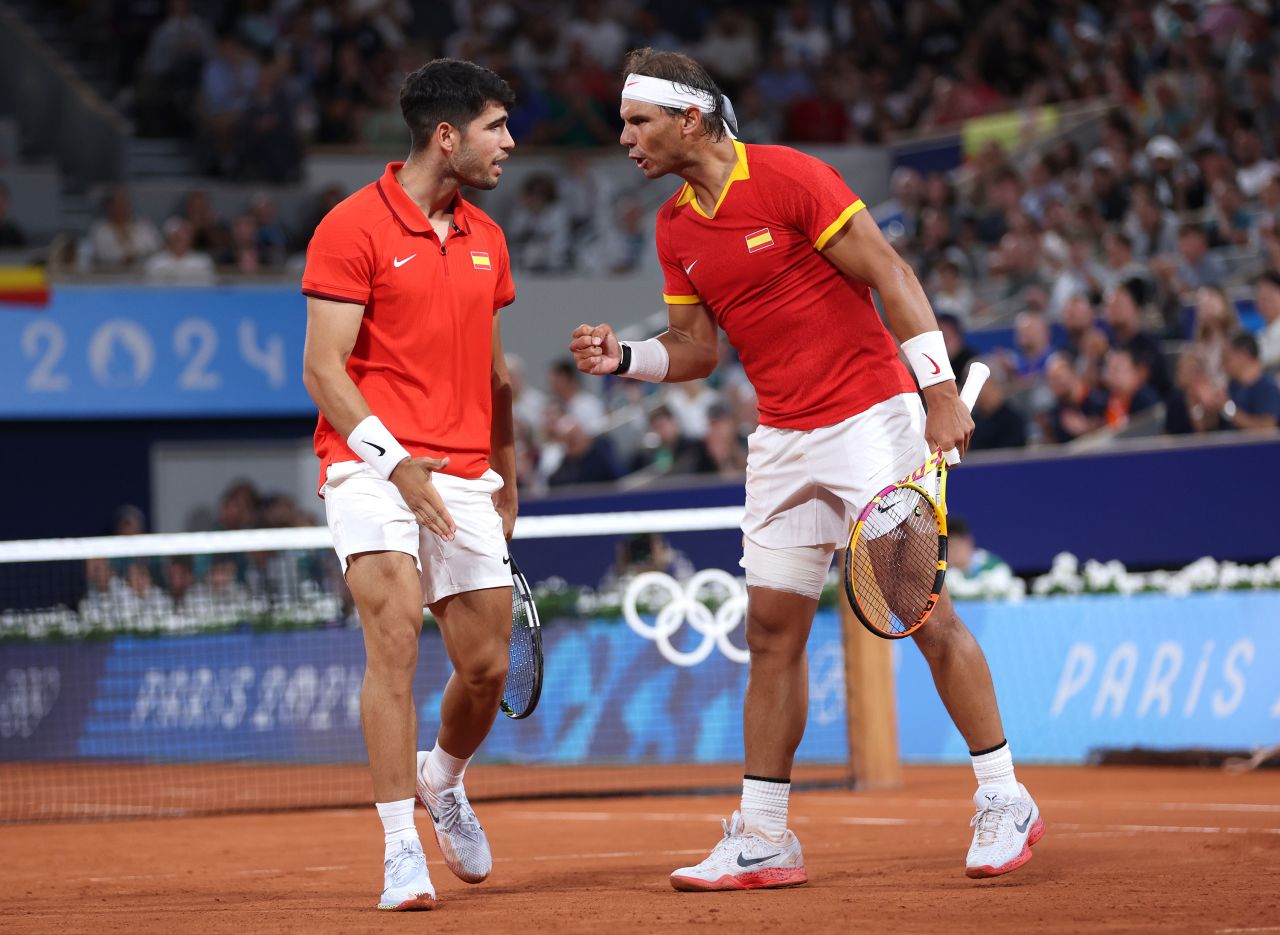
<point>987,821</point>
<point>454,809</point>
<point>734,832</point>
<point>404,866</point>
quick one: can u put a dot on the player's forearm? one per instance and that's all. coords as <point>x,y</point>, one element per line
<point>690,359</point>
<point>502,435</point>
<point>335,395</point>
<point>906,307</point>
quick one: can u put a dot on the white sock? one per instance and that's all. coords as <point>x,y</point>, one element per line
<point>764,806</point>
<point>397,823</point>
<point>995,768</point>
<point>444,771</point>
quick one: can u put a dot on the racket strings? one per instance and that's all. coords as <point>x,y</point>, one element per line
<point>522,676</point>
<point>895,560</point>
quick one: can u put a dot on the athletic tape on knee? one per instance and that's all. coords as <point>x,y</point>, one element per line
<point>796,569</point>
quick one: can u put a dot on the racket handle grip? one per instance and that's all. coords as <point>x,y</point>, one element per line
<point>978,373</point>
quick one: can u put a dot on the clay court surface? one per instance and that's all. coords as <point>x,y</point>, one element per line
<point>1127,850</point>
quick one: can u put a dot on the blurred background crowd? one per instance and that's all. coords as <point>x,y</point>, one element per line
<point>1125,285</point>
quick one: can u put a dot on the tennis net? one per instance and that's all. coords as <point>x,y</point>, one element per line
<point>214,672</point>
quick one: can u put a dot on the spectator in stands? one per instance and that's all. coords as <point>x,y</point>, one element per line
<point>1120,264</point>
<point>1077,407</point>
<point>1254,169</point>
<point>1034,343</point>
<point>996,423</point>
<point>220,597</point>
<point>527,402</point>
<point>780,83</point>
<point>120,241</point>
<point>963,554</point>
<point>1216,321</point>
<point>142,603</point>
<point>1254,397</point>
<point>730,50</point>
<point>539,229</point>
<point>171,69</point>
<point>209,234</point>
<point>11,235</point>
<point>587,460</point>
<point>951,293</point>
<point>267,145</point>
<point>803,39</point>
<point>1081,274</point>
<point>585,408</point>
<point>269,232</point>
<point>1194,266</point>
<point>958,350</point>
<point>129,520</point>
<point>238,506</point>
<point>726,451</point>
<point>1078,324</point>
<point>177,264</point>
<point>666,450</point>
<point>100,605</point>
<point>1128,393</point>
<point>1152,228</point>
<point>179,577</point>
<point>242,254</point>
<point>1124,316</point>
<point>1185,410</point>
<point>1267,299</point>
<point>819,117</point>
<point>1230,222</point>
<point>346,95</point>
<point>690,401</point>
<point>225,89</point>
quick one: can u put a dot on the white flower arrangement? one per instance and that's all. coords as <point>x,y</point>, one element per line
<point>1066,576</point>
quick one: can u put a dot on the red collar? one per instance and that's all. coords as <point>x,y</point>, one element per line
<point>406,209</point>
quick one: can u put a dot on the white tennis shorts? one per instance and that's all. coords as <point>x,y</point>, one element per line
<point>367,514</point>
<point>805,488</point>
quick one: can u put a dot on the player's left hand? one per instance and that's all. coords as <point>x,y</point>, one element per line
<point>507,503</point>
<point>948,424</point>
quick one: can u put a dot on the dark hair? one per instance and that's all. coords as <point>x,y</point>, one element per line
<point>958,527</point>
<point>685,72</point>
<point>566,368</point>
<point>448,91</point>
<point>1270,276</point>
<point>1246,342</point>
<point>1137,290</point>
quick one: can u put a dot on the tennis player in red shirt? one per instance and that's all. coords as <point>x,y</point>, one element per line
<point>403,358</point>
<point>771,245</point>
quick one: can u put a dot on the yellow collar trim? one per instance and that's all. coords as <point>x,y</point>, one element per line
<point>739,173</point>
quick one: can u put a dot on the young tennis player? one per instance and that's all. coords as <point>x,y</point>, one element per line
<point>772,246</point>
<point>404,360</point>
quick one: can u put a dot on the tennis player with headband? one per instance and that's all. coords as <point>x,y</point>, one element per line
<point>772,246</point>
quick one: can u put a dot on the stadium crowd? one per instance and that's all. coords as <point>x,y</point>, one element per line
<point>1140,271</point>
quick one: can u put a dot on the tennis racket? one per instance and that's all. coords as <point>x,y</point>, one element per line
<point>897,556</point>
<point>524,677</point>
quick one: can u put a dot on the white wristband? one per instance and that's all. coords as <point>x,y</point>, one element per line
<point>649,361</point>
<point>376,446</point>
<point>927,354</point>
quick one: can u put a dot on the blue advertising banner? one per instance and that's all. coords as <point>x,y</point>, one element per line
<point>1078,673</point>
<point>131,351</point>
<point>1072,674</point>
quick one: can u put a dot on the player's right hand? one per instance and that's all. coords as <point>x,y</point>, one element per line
<point>596,349</point>
<point>412,478</point>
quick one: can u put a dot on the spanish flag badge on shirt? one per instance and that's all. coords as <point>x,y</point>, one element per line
<point>480,260</point>
<point>759,240</point>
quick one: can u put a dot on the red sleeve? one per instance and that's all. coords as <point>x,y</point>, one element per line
<point>820,202</point>
<point>677,289</point>
<point>339,262</point>
<point>505,293</point>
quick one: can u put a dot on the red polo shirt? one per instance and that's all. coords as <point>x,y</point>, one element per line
<point>424,355</point>
<point>809,338</point>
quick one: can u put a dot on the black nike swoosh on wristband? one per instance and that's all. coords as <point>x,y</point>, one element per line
<point>381,450</point>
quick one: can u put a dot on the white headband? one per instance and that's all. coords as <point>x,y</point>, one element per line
<point>665,93</point>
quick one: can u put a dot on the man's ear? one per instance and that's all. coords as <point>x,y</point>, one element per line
<point>691,122</point>
<point>447,136</point>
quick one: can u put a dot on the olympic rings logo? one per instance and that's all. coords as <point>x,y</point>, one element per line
<point>683,604</point>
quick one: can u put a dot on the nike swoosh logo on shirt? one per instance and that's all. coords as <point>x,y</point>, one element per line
<point>689,269</point>
<point>936,368</point>
<point>752,861</point>
<point>399,262</point>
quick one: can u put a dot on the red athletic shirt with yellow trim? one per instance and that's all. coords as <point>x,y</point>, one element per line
<point>424,354</point>
<point>809,338</point>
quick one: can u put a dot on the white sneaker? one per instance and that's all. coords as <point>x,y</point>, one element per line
<point>462,841</point>
<point>406,882</point>
<point>1004,829</point>
<point>745,860</point>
